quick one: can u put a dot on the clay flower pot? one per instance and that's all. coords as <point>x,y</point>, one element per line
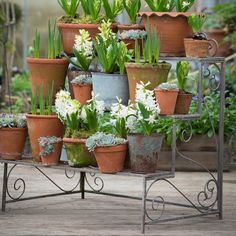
<point>77,153</point>
<point>122,27</point>
<point>131,44</point>
<point>200,48</point>
<point>171,27</point>
<point>166,100</point>
<point>219,35</point>
<point>12,142</point>
<point>82,92</point>
<point>69,31</point>
<point>143,151</point>
<point>42,126</point>
<point>111,159</point>
<point>183,102</point>
<point>45,72</point>
<point>53,158</point>
<point>155,74</point>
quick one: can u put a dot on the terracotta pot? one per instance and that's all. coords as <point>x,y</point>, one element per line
<point>69,31</point>
<point>200,48</point>
<point>42,126</point>
<point>12,142</point>
<point>131,44</point>
<point>219,35</point>
<point>111,159</point>
<point>166,100</point>
<point>155,74</point>
<point>122,27</point>
<point>45,72</point>
<point>82,92</point>
<point>171,27</point>
<point>77,153</point>
<point>183,102</point>
<point>53,158</point>
<point>143,151</point>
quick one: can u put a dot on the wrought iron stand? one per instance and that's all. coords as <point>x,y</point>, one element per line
<point>208,201</point>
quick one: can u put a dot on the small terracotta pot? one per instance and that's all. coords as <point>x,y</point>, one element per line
<point>82,92</point>
<point>111,159</point>
<point>166,100</point>
<point>219,35</point>
<point>122,28</point>
<point>42,126</point>
<point>77,153</point>
<point>183,102</point>
<point>131,44</point>
<point>200,48</point>
<point>171,27</point>
<point>12,142</point>
<point>69,31</point>
<point>53,158</point>
<point>137,72</point>
<point>45,72</point>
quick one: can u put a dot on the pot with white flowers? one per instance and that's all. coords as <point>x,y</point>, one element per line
<point>145,143</point>
<point>13,132</point>
<point>109,150</point>
<point>81,122</point>
<point>112,55</point>
<point>50,150</point>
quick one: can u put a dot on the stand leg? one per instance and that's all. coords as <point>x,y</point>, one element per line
<point>143,210</point>
<point>4,188</point>
<point>82,180</point>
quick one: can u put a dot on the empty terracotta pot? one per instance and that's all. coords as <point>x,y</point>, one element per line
<point>53,158</point>
<point>183,102</point>
<point>82,92</point>
<point>12,142</point>
<point>171,27</point>
<point>42,126</point>
<point>111,159</point>
<point>166,100</point>
<point>200,48</point>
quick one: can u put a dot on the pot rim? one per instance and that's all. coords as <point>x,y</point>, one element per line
<point>115,148</point>
<point>170,14</point>
<point>81,85</point>
<point>33,60</point>
<point>152,135</point>
<point>13,129</point>
<point>217,31</point>
<point>31,116</point>
<point>165,90</point>
<point>74,140</point>
<point>108,75</point>
<point>126,26</point>
<point>196,40</point>
<point>81,26</point>
<point>165,65</point>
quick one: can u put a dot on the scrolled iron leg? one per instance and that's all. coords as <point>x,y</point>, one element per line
<point>82,181</point>
<point>143,209</point>
<point>4,188</point>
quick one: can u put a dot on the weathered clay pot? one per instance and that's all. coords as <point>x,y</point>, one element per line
<point>183,102</point>
<point>144,151</point>
<point>171,27</point>
<point>219,35</point>
<point>131,44</point>
<point>110,86</point>
<point>200,48</point>
<point>53,158</point>
<point>111,159</point>
<point>69,31</point>
<point>12,141</point>
<point>42,126</point>
<point>82,92</point>
<point>166,100</point>
<point>77,153</point>
<point>47,72</point>
<point>122,27</point>
<point>155,74</point>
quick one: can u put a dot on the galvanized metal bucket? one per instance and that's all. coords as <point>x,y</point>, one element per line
<point>143,151</point>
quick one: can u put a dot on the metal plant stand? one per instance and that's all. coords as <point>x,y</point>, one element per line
<point>206,202</point>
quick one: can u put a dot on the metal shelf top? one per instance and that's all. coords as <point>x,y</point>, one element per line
<point>196,59</point>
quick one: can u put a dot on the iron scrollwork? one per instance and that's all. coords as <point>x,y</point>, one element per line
<point>97,184</point>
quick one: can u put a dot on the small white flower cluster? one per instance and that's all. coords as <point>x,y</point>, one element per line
<point>65,105</point>
<point>119,111</point>
<point>185,3</point>
<point>146,97</point>
<point>84,43</point>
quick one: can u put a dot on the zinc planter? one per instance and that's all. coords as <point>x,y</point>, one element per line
<point>12,142</point>
<point>155,74</point>
<point>47,72</point>
<point>82,92</point>
<point>166,100</point>
<point>42,126</point>
<point>171,27</point>
<point>77,153</point>
<point>183,103</point>
<point>53,158</point>
<point>143,151</point>
<point>110,86</point>
<point>111,159</point>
